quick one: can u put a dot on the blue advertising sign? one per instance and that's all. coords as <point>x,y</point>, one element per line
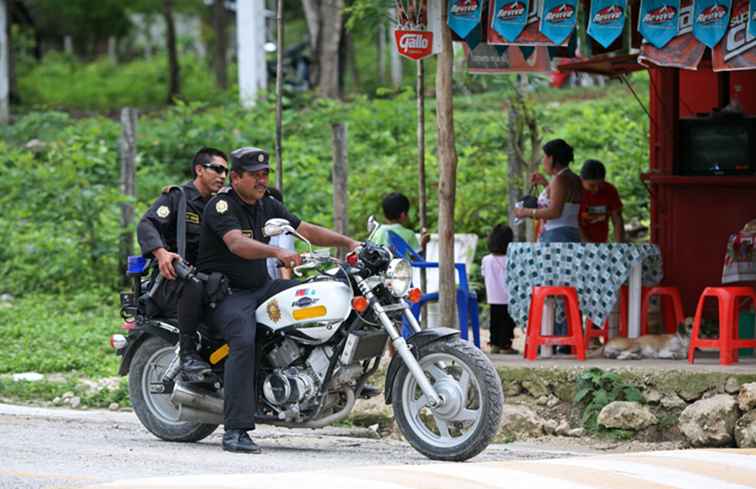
<point>658,21</point>
<point>558,19</point>
<point>509,18</point>
<point>711,18</point>
<point>464,16</point>
<point>752,18</point>
<point>607,20</point>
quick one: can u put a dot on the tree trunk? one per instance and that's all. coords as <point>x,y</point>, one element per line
<point>221,44</point>
<point>113,49</point>
<point>4,66</point>
<point>522,125</point>
<point>328,45</point>
<point>174,75</point>
<point>340,175</point>
<point>382,53</point>
<point>250,39</point>
<point>128,183</point>
<point>447,158</point>
<point>396,58</point>
<point>313,17</point>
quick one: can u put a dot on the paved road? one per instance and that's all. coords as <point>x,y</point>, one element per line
<point>59,448</point>
<point>692,469</point>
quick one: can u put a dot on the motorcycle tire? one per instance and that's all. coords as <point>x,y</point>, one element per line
<point>465,425</point>
<point>155,411</point>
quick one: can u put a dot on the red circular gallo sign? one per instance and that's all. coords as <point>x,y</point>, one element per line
<point>414,44</point>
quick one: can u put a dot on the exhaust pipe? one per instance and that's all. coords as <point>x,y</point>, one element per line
<point>187,397</point>
<point>196,416</point>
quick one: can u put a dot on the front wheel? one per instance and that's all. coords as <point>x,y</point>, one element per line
<point>467,421</point>
<point>156,411</point>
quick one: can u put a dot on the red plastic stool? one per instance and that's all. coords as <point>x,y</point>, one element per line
<point>592,332</point>
<point>728,342</point>
<point>574,336</point>
<point>673,296</point>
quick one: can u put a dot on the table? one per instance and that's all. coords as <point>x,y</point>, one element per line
<point>597,271</point>
<point>740,259</point>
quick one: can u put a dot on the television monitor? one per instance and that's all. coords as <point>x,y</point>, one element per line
<point>722,145</point>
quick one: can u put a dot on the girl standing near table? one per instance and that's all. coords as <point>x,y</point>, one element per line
<point>559,203</point>
<point>494,270</point>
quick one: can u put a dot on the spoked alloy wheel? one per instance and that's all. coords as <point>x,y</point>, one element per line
<point>468,418</point>
<point>156,411</point>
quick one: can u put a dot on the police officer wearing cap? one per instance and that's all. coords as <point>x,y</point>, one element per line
<point>232,243</point>
<point>156,233</point>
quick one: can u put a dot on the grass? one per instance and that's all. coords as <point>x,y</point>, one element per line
<point>51,333</point>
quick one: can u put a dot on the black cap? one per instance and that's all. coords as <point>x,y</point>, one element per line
<point>249,159</point>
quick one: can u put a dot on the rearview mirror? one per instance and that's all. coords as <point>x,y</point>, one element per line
<point>276,227</point>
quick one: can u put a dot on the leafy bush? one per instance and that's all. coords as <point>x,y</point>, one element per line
<point>597,388</point>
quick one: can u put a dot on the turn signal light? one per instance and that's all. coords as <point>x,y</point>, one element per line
<point>414,295</point>
<point>117,341</point>
<point>359,304</point>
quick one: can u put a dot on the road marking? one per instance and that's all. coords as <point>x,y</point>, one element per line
<point>709,469</point>
<point>38,476</point>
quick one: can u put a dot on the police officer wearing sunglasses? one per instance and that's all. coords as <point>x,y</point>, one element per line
<point>156,233</point>
<point>232,243</point>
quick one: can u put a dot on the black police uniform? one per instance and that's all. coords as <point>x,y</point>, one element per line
<point>250,285</point>
<point>157,228</point>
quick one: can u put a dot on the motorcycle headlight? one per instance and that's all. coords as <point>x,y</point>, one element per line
<point>398,277</point>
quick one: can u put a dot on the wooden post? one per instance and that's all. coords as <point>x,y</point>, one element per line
<point>422,197</point>
<point>447,184</point>
<point>340,175</point>
<point>4,67</point>
<point>279,94</point>
<point>128,182</point>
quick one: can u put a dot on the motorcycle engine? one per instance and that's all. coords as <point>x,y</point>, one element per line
<point>288,386</point>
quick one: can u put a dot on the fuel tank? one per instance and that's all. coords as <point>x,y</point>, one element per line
<point>311,312</point>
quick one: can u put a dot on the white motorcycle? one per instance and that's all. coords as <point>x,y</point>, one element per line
<point>318,343</point>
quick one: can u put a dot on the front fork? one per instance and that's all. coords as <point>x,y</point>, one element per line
<point>400,345</point>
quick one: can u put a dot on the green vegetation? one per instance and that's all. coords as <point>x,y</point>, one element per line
<point>596,388</point>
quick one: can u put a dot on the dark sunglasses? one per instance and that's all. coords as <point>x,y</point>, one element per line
<point>219,169</point>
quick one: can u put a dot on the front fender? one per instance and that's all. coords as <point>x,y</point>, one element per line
<point>416,342</point>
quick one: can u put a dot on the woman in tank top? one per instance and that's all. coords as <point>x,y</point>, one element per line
<point>559,203</point>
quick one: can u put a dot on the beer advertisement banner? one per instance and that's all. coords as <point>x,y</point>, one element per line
<point>529,36</point>
<point>509,17</point>
<point>464,16</point>
<point>658,21</point>
<point>558,19</point>
<point>607,20</point>
<point>737,51</point>
<point>710,20</point>
<point>683,51</point>
<point>488,59</point>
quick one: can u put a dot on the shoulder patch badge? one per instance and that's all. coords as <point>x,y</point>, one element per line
<point>221,206</point>
<point>163,211</point>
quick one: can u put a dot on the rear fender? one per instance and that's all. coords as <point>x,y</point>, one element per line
<point>137,337</point>
<point>416,342</point>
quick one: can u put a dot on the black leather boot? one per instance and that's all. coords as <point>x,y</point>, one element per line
<point>194,369</point>
<point>239,441</point>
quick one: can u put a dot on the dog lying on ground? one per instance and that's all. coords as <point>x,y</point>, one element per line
<point>664,346</point>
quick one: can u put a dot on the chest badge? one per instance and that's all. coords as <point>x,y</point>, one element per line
<point>274,311</point>
<point>163,211</point>
<point>221,206</point>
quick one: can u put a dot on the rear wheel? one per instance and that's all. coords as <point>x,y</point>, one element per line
<point>156,411</point>
<point>467,421</point>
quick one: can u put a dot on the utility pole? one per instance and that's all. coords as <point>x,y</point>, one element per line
<point>250,39</point>
<point>4,68</point>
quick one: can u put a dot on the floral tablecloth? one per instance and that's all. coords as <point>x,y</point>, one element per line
<point>597,271</point>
